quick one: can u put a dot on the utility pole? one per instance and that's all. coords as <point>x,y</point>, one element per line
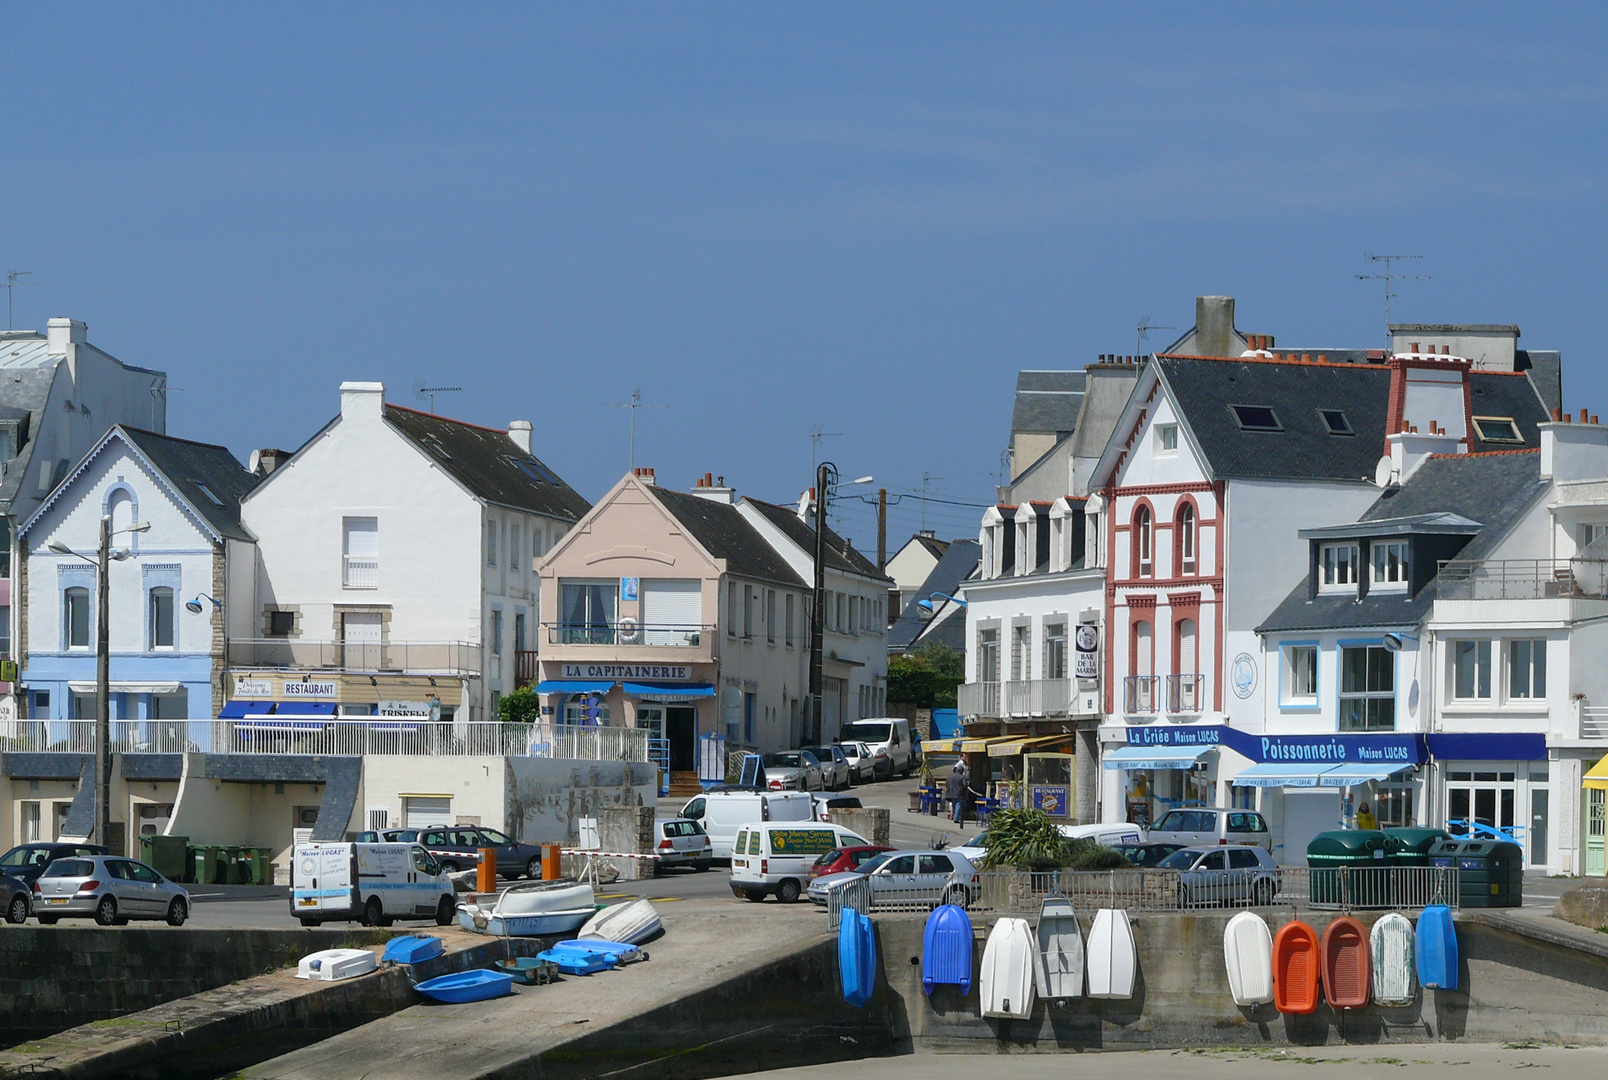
<point>882,529</point>
<point>634,404</point>
<point>823,477</point>
<point>1390,277</point>
<point>103,691</point>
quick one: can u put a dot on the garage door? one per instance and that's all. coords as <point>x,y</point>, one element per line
<point>421,811</point>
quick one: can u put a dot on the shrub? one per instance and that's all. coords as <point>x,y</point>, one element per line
<point>520,707</point>
<point>1030,838</point>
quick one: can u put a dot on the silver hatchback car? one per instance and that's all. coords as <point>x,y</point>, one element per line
<point>110,890</point>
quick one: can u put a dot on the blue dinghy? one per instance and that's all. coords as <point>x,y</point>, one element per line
<point>619,950</point>
<point>465,986</point>
<point>579,961</point>
<point>946,950</point>
<point>1436,948</point>
<point>857,957</point>
<point>413,949</point>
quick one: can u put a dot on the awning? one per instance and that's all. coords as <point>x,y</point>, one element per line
<point>670,691</point>
<point>275,725</point>
<point>234,710</point>
<point>126,687</point>
<point>1489,746</point>
<point>1354,773</point>
<point>1155,757</point>
<point>1597,775</point>
<point>574,686</point>
<point>942,746</point>
<point>1268,774</point>
<point>1016,744</point>
<point>307,709</point>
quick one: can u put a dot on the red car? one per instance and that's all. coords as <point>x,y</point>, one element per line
<point>840,859</point>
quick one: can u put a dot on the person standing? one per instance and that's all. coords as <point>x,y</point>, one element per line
<point>1365,818</point>
<point>954,784</point>
<point>968,801</point>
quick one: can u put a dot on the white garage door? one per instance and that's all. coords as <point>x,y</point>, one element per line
<point>1306,814</point>
<point>421,812</point>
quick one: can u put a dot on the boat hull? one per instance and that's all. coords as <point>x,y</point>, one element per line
<point>1391,941</point>
<point>623,952</point>
<point>1435,949</point>
<point>631,923</point>
<point>466,986</point>
<point>1059,970</point>
<point>946,949</point>
<point>413,949</point>
<point>1347,964</point>
<point>1248,955</point>
<point>479,921</point>
<point>1111,961</point>
<point>1007,981</point>
<point>857,957</point>
<point>332,965</point>
<point>1295,968</point>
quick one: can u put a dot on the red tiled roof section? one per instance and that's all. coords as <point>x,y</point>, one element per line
<point>1490,453</point>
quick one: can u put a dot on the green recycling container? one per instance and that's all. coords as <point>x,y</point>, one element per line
<point>1350,868</point>
<point>210,868</point>
<point>1413,845</point>
<point>229,856</point>
<point>1490,873</point>
<point>262,866</point>
<point>167,855</point>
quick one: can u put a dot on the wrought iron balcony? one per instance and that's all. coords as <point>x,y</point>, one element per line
<point>1139,694</point>
<point>1186,693</point>
<point>629,632</point>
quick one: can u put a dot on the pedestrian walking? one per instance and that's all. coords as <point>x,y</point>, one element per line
<point>954,784</point>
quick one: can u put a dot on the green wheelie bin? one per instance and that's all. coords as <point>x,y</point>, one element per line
<point>1490,873</point>
<point>1350,868</point>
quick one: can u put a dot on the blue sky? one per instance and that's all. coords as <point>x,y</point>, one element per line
<point>770,217</point>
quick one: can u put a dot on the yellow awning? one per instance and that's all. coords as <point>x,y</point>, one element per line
<point>974,746</point>
<point>941,746</point>
<point>1597,775</point>
<point>1016,744</point>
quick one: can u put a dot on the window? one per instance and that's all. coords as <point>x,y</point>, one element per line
<point>1367,689</point>
<point>854,615</point>
<point>588,610</point>
<point>1527,668</point>
<point>495,633</point>
<point>1142,529</point>
<point>770,616</point>
<point>839,625</point>
<point>1255,418</point>
<point>749,701</point>
<point>360,540</point>
<point>281,623</point>
<point>491,542</point>
<point>748,611</point>
<point>513,547</point>
<point>1055,650</point>
<point>5,630</point>
<point>76,618</point>
<point>1391,563</point>
<point>1166,438</point>
<point>1497,429</point>
<point>731,609</point>
<point>160,618</point>
<point>787,621</point>
<point>1242,859</point>
<point>1471,670</point>
<point>1337,566</point>
<point>1393,806</point>
<point>519,632</point>
<point>1335,421</point>
<point>1186,539</point>
<point>1300,675</point>
<point>1021,641</point>
<point>988,655</point>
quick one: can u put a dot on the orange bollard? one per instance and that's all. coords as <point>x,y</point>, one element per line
<point>552,862</point>
<point>486,880</point>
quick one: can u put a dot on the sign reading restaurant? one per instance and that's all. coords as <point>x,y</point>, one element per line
<point>676,672</point>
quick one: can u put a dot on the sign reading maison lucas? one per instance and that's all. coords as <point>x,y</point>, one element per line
<point>677,672</point>
<point>1295,749</point>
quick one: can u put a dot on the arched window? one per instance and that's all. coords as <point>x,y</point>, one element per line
<point>121,508</point>
<point>75,618</point>
<point>160,617</point>
<point>1186,539</point>
<point>1142,541</point>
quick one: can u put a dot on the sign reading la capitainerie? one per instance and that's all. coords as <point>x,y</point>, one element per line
<point>675,672</point>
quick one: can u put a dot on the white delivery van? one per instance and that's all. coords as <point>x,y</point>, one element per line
<point>372,882</point>
<point>770,858</point>
<point>721,813</point>
<point>888,737</point>
<point>1108,835</point>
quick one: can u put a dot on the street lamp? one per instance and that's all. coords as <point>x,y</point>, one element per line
<point>926,603</point>
<point>826,475</point>
<point>103,668</point>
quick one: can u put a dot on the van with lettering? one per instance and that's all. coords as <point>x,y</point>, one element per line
<point>773,858</point>
<point>1199,826</point>
<point>375,883</point>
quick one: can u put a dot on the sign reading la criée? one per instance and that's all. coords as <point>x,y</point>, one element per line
<point>677,672</point>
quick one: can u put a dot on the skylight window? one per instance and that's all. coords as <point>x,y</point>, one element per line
<point>208,493</point>
<point>1497,429</point>
<point>1336,422</point>
<point>1255,418</point>
<point>534,469</point>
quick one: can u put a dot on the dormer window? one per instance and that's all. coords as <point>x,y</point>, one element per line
<point>1166,440</point>
<point>1337,568</point>
<point>1391,564</point>
<point>1255,418</point>
<point>1498,429</point>
<point>1024,552</point>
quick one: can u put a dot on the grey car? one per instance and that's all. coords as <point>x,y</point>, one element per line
<point>793,770</point>
<point>913,878</point>
<point>109,889</point>
<point>1237,874</point>
<point>836,772</point>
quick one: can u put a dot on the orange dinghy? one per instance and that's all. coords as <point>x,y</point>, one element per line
<point>1346,964</point>
<point>1295,968</point>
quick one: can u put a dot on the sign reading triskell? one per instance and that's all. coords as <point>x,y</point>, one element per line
<point>310,689</point>
<point>677,672</point>
<point>253,688</point>
<point>419,710</point>
<point>1086,641</point>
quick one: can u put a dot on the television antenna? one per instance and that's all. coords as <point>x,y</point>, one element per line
<point>12,284</point>
<point>634,404</point>
<point>1143,331</point>
<point>428,393</point>
<point>1390,277</point>
<point>816,435</point>
<point>926,478</point>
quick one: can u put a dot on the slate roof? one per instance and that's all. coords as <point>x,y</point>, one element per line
<point>1500,394</point>
<point>1493,489</point>
<point>840,555</point>
<point>488,463</point>
<point>190,466</point>
<point>956,565</point>
<point>934,546</point>
<point>1047,401</point>
<point>723,531</point>
<point>1545,368</point>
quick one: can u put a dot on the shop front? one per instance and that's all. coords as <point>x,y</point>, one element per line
<point>1496,786</point>
<point>1159,769</point>
<point>1594,793</point>
<point>663,699</point>
<point>1036,772</point>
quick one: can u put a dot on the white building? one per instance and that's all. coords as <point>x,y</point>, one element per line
<point>910,566</point>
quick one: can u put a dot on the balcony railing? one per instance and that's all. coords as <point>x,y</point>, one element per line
<point>1038,697</point>
<point>360,572</point>
<point>1139,694</point>
<point>298,654</point>
<point>271,735</point>
<point>628,632</point>
<point>978,699</point>
<point>524,667</point>
<point>1185,693</point>
<point>1594,722</point>
<point>1523,579</point>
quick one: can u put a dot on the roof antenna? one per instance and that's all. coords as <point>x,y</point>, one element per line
<point>634,404</point>
<point>11,287</point>
<point>926,477</point>
<point>1389,277</point>
<point>816,435</point>
<point>423,392</point>
<point>1145,326</point>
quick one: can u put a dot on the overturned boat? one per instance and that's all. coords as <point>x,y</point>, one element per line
<point>631,923</point>
<point>532,909</point>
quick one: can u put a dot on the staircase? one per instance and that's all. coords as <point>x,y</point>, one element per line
<point>684,785</point>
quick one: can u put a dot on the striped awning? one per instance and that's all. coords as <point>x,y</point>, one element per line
<point>1268,774</point>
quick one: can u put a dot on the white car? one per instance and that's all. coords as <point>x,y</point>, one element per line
<point>836,772</point>
<point>862,762</point>
<point>793,770</point>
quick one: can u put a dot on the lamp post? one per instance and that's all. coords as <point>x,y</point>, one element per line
<point>925,604</point>
<point>103,668</point>
<point>825,476</point>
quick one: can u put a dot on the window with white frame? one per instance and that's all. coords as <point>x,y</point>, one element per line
<point>1300,684</point>
<point>1024,557</point>
<point>491,542</point>
<point>748,611</point>
<point>513,546</point>
<point>1367,688</point>
<point>787,621</point>
<point>1471,670</point>
<point>1055,649</point>
<point>1166,439</point>
<point>770,616</point>
<point>1527,668</point>
<point>160,617</point>
<point>1337,567</point>
<point>1142,538</point>
<point>1186,539</point>
<point>75,618</point>
<point>1391,564</point>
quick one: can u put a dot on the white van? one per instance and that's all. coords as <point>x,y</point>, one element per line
<point>887,736</point>
<point>1107,835</point>
<point>775,859</point>
<point>722,813</point>
<point>372,882</point>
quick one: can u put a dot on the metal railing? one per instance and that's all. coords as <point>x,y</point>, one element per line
<point>1139,694</point>
<point>272,735</point>
<point>1594,722</point>
<point>1523,579</point>
<point>525,667</point>
<point>978,699</point>
<point>629,632</point>
<point>299,654</point>
<point>1037,697</point>
<point>1185,693</point>
<point>360,572</point>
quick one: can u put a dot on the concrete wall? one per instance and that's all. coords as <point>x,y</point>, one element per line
<point>477,785</point>
<point>547,797</point>
<point>214,811</point>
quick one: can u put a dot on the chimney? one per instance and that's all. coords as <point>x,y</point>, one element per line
<point>928,534</point>
<point>1214,325</point>
<point>362,400</point>
<point>266,460</point>
<point>1423,391</point>
<point>1574,451</point>
<point>60,333</point>
<point>645,474</point>
<point>519,431</point>
<point>714,489</point>
<point>1408,450</point>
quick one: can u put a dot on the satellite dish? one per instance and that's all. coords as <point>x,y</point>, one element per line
<point>1384,471</point>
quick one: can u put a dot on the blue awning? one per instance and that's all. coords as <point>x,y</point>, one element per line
<point>1354,773</point>
<point>1493,746</point>
<point>1156,757</point>
<point>275,725</point>
<point>234,710</point>
<point>306,709</point>
<point>670,691</point>
<point>1268,774</point>
<point>574,686</point>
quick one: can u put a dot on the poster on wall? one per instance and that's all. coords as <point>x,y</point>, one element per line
<point>1053,800</point>
<point>1087,645</point>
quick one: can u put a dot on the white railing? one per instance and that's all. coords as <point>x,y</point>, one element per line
<point>360,572</point>
<point>1139,694</point>
<point>1037,697</point>
<point>272,735</point>
<point>1524,579</point>
<point>978,699</point>
<point>1594,722</point>
<point>299,654</point>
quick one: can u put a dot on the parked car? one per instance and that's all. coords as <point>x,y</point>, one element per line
<point>795,770</point>
<point>862,762</point>
<point>774,859</point>
<point>836,772</point>
<point>825,804</point>
<point>889,734</point>
<point>1145,855</point>
<point>1236,874</point>
<point>724,811</point>
<point>972,850</point>
<point>683,842</point>
<point>838,860</point>
<point>28,861</point>
<point>108,889</point>
<point>1204,826</point>
<point>458,848</point>
<point>920,878</point>
<point>18,898</point>
<point>1106,835</point>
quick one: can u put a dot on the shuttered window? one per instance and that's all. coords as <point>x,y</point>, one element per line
<point>672,610</point>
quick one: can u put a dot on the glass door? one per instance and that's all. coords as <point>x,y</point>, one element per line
<point>1596,832</point>
<point>1480,805</point>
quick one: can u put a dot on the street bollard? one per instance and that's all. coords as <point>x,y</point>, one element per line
<point>552,862</point>
<point>486,880</point>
